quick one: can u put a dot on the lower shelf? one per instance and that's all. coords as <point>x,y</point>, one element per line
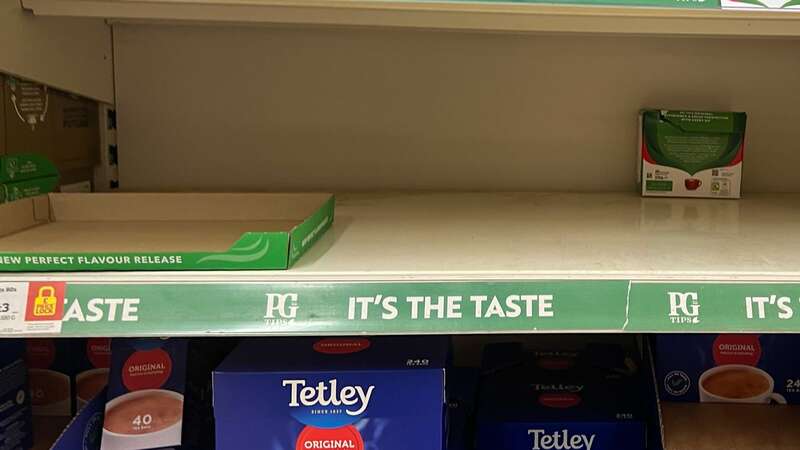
<point>687,426</point>
<point>705,426</point>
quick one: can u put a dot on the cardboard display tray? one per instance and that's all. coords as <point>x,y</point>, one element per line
<point>133,231</point>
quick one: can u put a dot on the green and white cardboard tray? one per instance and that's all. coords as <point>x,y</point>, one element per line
<point>152,232</point>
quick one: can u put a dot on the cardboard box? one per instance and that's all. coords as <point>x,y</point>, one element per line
<point>51,371</point>
<point>10,192</point>
<point>15,408</point>
<point>93,360</point>
<point>589,399</point>
<point>728,368</point>
<point>44,131</point>
<point>160,393</point>
<point>91,232</point>
<point>65,374</point>
<point>84,431</point>
<point>145,399</point>
<point>462,394</point>
<point>382,393</point>
<point>25,166</point>
<point>691,153</point>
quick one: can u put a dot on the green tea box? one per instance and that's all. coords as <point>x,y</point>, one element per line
<point>28,188</point>
<point>691,153</point>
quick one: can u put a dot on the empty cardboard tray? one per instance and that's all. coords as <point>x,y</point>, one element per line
<point>129,231</point>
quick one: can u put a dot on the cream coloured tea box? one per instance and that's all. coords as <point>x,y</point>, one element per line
<point>691,153</point>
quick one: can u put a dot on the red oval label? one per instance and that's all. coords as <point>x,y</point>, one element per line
<point>559,399</point>
<point>555,363</point>
<point>148,369</point>
<point>341,346</point>
<point>346,437</point>
<point>737,349</point>
<point>40,353</point>
<point>98,351</point>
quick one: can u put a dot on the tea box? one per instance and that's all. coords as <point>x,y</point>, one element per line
<point>159,393</point>
<point>15,405</point>
<point>462,386</point>
<point>381,393</point>
<point>145,399</point>
<point>588,399</point>
<point>10,192</point>
<point>85,430</point>
<point>728,368</point>
<point>691,153</point>
<point>65,373</point>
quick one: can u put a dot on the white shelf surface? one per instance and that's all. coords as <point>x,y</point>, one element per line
<point>456,15</point>
<point>486,236</point>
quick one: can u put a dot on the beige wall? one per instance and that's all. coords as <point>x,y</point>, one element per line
<point>254,108</point>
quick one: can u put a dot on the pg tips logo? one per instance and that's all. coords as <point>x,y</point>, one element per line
<point>684,307</point>
<point>281,309</point>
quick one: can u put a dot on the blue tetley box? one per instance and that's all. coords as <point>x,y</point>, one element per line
<point>728,368</point>
<point>15,406</point>
<point>382,393</point>
<point>562,400</point>
<point>85,429</point>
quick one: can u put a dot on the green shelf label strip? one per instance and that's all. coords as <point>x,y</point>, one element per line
<point>141,309</point>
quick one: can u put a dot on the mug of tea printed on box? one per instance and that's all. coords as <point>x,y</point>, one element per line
<point>146,383</point>
<point>737,383</point>
<point>51,367</point>
<point>691,153</point>
<point>734,368</point>
<point>92,374</point>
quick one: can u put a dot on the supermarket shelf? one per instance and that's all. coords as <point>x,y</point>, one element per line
<point>693,426</point>
<point>589,262</point>
<point>456,15</point>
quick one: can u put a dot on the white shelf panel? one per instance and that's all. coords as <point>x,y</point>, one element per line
<point>399,237</point>
<point>438,15</point>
